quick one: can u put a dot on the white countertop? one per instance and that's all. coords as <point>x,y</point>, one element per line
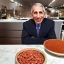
<point>12,20</point>
<point>8,52</point>
<point>23,20</point>
<point>59,20</point>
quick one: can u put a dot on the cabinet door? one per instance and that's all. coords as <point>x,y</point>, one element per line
<point>10,33</point>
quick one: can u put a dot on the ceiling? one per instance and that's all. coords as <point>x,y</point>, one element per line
<point>44,2</point>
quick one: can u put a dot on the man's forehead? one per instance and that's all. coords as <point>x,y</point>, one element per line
<point>35,8</point>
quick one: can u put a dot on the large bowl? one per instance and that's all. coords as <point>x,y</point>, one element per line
<point>35,56</point>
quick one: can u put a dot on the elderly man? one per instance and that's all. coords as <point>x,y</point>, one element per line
<point>38,29</point>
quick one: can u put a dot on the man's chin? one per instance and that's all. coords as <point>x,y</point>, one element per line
<point>38,22</point>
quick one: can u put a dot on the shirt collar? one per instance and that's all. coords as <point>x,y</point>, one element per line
<point>38,25</point>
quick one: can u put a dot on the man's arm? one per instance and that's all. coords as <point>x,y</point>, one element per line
<point>51,33</point>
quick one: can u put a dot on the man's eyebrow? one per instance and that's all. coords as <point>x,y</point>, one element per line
<point>35,12</point>
<point>40,11</point>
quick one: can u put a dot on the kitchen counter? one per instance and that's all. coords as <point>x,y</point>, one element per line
<point>23,20</point>
<point>8,53</point>
<point>14,20</point>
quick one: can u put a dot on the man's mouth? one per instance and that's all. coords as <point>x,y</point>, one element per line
<point>38,20</point>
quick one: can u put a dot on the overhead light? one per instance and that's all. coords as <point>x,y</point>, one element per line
<point>21,5</point>
<point>46,7</point>
<point>52,11</point>
<point>17,4</point>
<point>63,4</point>
<point>51,2</point>
<point>12,0</point>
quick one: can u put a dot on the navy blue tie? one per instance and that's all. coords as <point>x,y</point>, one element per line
<point>38,29</point>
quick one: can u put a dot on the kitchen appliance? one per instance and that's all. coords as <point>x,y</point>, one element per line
<point>3,12</point>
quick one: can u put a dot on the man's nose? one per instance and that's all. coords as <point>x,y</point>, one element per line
<point>38,15</point>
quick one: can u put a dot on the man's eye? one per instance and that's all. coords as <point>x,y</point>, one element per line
<point>35,12</point>
<point>41,12</point>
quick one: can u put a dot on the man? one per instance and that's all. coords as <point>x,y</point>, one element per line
<point>31,34</point>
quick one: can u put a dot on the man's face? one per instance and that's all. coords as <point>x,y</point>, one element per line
<point>38,14</point>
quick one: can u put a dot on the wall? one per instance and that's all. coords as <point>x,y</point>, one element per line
<point>5,3</point>
<point>25,9</point>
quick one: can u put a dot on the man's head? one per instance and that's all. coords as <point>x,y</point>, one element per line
<point>38,12</point>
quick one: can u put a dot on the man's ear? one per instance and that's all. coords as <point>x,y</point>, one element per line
<point>44,15</point>
<point>31,15</point>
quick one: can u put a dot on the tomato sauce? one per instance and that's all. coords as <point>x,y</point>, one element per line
<point>55,45</point>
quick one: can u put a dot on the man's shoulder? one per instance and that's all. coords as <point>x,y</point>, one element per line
<point>28,21</point>
<point>47,20</point>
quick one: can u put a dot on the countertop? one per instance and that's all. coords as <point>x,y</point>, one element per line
<point>8,53</point>
<point>14,20</point>
<point>23,20</point>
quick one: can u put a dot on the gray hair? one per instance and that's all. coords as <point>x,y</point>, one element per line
<point>40,5</point>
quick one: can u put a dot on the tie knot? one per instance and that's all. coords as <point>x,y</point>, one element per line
<point>38,25</point>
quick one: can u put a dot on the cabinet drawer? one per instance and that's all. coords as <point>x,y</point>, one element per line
<point>10,41</point>
<point>11,26</point>
<point>8,33</point>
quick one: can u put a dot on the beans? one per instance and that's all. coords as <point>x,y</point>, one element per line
<point>30,57</point>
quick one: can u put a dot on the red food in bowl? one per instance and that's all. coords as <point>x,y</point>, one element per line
<point>55,45</point>
<point>30,56</point>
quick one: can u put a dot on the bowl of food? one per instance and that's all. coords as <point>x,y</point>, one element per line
<point>30,56</point>
<point>55,47</point>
